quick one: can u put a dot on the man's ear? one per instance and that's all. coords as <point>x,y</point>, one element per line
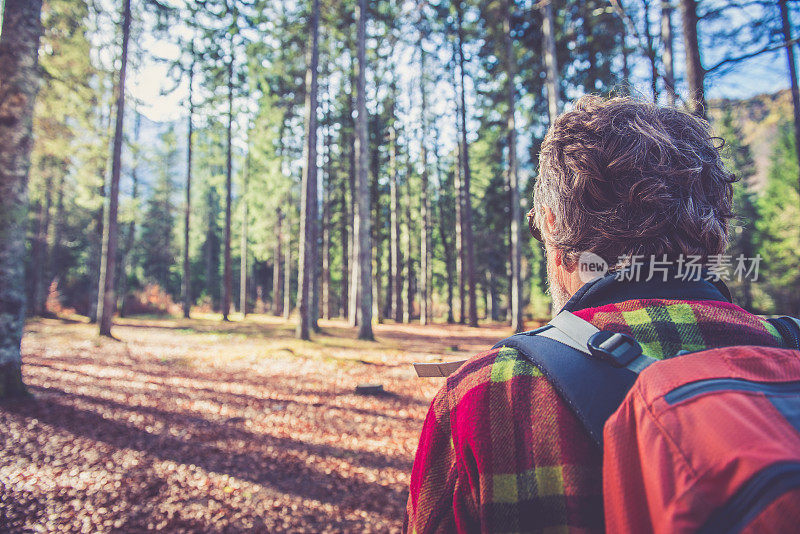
<point>558,254</point>
<point>549,220</point>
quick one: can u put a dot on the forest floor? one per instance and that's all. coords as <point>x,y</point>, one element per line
<point>203,426</point>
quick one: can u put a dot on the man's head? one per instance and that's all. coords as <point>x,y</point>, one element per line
<point>621,178</point>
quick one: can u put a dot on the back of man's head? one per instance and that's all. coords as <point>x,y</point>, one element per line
<point>625,178</point>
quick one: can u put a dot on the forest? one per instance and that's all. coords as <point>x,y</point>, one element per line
<point>385,172</point>
<point>240,173</point>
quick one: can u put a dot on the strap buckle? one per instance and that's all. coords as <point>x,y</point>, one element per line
<point>617,349</point>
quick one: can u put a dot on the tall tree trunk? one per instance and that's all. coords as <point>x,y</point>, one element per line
<point>287,269</point>
<point>666,55</point>
<point>362,226</point>
<point>408,285</point>
<point>466,232</point>
<point>460,252</point>
<point>448,251</point>
<point>517,320</point>
<point>651,50</point>
<point>106,296</point>
<point>96,250</point>
<point>308,197</point>
<point>695,73</point>
<point>186,286</point>
<point>344,234</point>
<point>388,300</point>
<point>130,235</point>
<point>490,293</point>
<point>326,226</point>
<point>277,301</point>
<point>394,224</point>
<point>459,193</point>
<point>377,241</point>
<point>549,41</point>
<point>227,277</point>
<point>19,84</point>
<point>352,297</point>
<point>211,252</point>
<point>424,238</point>
<point>243,243</point>
<point>787,38</point>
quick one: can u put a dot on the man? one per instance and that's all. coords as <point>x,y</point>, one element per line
<point>624,181</point>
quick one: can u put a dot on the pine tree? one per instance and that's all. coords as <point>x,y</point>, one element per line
<point>308,199</point>
<point>362,226</point>
<point>779,227</point>
<point>517,321</point>
<point>742,231</point>
<point>157,245</point>
<point>106,298</point>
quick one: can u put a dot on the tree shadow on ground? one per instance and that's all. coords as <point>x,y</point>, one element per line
<point>287,474</point>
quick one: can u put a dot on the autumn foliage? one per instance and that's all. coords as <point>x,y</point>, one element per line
<point>194,425</point>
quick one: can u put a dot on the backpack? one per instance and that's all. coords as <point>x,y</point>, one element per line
<point>701,442</point>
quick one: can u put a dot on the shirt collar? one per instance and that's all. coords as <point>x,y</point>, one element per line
<point>611,289</point>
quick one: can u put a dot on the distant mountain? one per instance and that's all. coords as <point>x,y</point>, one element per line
<point>758,117</point>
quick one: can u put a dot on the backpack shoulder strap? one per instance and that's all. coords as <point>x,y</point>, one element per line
<point>789,329</point>
<point>591,386</point>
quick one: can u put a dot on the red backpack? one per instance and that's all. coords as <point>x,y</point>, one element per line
<point>701,442</point>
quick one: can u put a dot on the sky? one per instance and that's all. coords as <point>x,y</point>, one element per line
<point>764,74</point>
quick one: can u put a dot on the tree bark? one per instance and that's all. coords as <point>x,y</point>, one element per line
<point>394,225</point>
<point>308,198</point>
<point>19,85</point>
<point>667,54</point>
<point>344,235</point>
<point>325,227</point>
<point>227,275</point>
<point>108,260</point>
<point>549,41</point>
<point>186,286</point>
<point>377,241</point>
<point>131,233</point>
<point>459,193</point>
<point>362,226</point>
<point>466,232</point>
<point>695,73</point>
<point>448,251</point>
<point>277,301</point>
<point>651,50</point>
<point>517,320</point>
<point>352,296</point>
<point>287,269</point>
<point>243,244</point>
<point>787,37</point>
<point>424,238</point>
<point>96,250</point>
<point>408,285</point>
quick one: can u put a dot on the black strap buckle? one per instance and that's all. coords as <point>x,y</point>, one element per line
<point>617,349</point>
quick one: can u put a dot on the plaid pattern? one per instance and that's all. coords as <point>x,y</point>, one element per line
<point>501,452</point>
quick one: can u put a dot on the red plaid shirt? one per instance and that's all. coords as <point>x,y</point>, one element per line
<point>501,452</point>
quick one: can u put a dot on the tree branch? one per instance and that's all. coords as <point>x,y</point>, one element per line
<point>736,59</point>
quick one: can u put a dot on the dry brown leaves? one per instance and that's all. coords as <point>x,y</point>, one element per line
<point>199,426</point>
